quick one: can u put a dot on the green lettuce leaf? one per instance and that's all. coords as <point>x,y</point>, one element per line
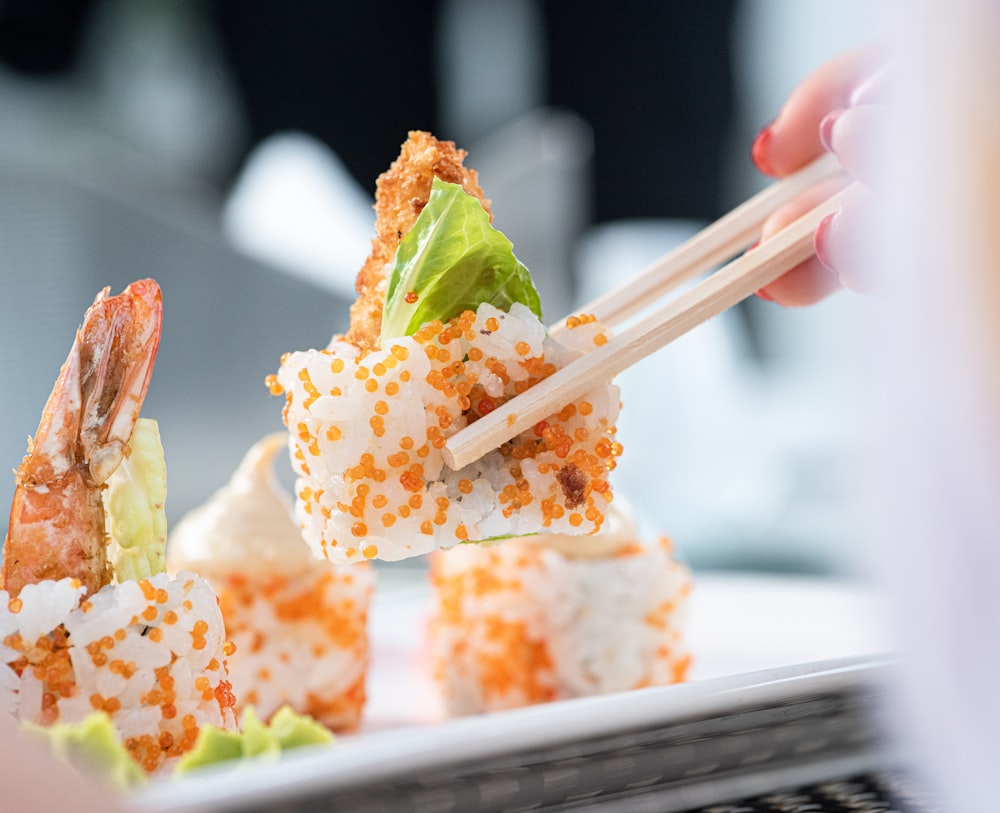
<point>134,503</point>
<point>452,260</point>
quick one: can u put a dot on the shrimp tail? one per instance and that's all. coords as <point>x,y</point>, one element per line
<point>57,527</point>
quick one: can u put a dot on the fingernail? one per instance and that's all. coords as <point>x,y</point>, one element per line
<point>758,151</point>
<point>820,241</point>
<point>762,294</point>
<point>752,247</point>
<point>826,129</point>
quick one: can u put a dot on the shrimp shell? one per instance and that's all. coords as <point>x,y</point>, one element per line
<point>57,526</point>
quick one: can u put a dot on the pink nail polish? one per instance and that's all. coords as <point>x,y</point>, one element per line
<point>758,151</point>
<point>762,294</point>
<point>820,240</point>
<point>826,129</point>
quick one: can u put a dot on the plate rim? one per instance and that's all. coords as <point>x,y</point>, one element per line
<point>385,755</point>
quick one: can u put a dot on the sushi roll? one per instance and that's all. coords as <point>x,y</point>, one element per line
<point>299,623</point>
<point>447,328</point>
<point>539,619</point>
<point>90,626</point>
<point>150,653</point>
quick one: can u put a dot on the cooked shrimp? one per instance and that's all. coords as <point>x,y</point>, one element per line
<point>57,525</point>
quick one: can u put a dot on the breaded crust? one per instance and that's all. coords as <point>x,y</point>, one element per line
<point>401,193</point>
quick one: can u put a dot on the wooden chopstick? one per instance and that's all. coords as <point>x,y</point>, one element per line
<point>721,290</point>
<point>720,241</point>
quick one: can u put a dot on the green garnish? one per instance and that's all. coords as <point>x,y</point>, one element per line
<point>452,260</point>
<point>91,744</point>
<point>296,730</point>
<point>286,730</point>
<point>498,538</point>
<point>213,745</point>
<point>137,492</point>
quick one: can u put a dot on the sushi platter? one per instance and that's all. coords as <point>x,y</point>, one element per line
<point>784,677</point>
<point>532,651</point>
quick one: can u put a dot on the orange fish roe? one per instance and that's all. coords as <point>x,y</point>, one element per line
<point>579,320</point>
<point>271,382</point>
<point>117,646</point>
<point>401,404</point>
<point>292,636</point>
<point>524,646</point>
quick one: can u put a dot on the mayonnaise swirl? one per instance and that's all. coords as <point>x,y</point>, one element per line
<point>246,527</point>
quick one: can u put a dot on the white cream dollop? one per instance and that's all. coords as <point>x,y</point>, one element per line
<point>246,527</point>
<point>619,532</point>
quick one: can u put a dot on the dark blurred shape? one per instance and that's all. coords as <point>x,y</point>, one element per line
<point>653,80</point>
<point>42,36</point>
<point>357,76</point>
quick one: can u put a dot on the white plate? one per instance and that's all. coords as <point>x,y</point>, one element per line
<point>737,624</point>
<point>755,640</point>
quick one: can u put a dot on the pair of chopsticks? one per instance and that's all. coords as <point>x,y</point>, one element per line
<point>727,286</point>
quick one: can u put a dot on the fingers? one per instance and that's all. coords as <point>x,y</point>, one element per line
<point>837,262</point>
<point>839,241</point>
<point>792,140</point>
<point>806,284</point>
<point>874,89</point>
<point>851,135</point>
<point>839,108</point>
<point>810,281</point>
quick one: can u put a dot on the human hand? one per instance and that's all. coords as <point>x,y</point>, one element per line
<point>839,108</point>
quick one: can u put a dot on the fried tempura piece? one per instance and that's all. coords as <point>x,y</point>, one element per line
<point>401,193</point>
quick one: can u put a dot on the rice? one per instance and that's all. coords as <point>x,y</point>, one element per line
<point>301,642</point>
<point>519,623</point>
<point>298,622</point>
<point>366,433</point>
<point>151,653</point>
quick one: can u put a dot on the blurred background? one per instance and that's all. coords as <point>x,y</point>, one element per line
<point>230,149</point>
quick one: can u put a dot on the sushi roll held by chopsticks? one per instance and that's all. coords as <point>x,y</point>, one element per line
<point>446,328</point>
<point>298,622</point>
<point>87,626</point>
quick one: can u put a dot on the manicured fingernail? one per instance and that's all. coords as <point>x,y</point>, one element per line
<point>821,244</point>
<point>762,294</point>
<point>758,151</point>
<point>826,129</point>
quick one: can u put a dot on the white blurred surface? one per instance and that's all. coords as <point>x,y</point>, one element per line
<point>297,207</point>
<point>935,496</point>
<point>742,455</point>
